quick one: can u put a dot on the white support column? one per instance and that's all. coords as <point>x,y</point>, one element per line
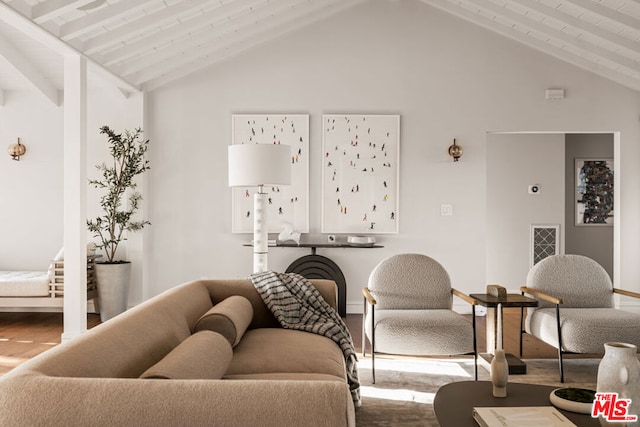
<point>136,242</point>
<point>144,207</point>
<point>75,196</point>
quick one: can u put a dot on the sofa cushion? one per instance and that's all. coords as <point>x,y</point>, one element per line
<point>277,350</point>
<point>421,332</point>
<point>203,355</point>
<point>230,318</point>
<point>262,316</point>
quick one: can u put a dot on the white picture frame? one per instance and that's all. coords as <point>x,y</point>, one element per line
<point>360,173</point>
<point>286,204</point>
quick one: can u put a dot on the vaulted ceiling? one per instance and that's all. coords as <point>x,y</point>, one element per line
<point>144,44</point>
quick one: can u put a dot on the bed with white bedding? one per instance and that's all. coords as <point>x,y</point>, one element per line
<point>31,289</point>
<point>24,283</point>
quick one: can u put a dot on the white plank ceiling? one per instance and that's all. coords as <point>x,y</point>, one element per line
<point>144,44</point>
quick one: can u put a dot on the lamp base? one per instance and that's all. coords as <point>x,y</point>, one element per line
<point>260,232</point>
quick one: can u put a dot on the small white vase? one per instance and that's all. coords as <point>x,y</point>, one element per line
<point>113,288</point>
<point>499,374</point>
<point>619,372</point>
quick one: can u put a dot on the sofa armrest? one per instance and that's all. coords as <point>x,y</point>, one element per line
<point>35,399</point>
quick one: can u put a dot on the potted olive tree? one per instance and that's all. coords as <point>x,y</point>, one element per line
<point>119,204</point>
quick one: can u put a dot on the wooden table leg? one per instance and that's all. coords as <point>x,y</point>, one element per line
<point>492,329</point>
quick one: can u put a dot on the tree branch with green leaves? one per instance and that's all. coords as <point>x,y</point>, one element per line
<point>128,160</point>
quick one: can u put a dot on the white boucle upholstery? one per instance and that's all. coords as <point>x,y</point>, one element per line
<point>578,280</point>
<point>413,313</point>
<point>587,315</point>
<point>421,332</point>
<point>410,281</point>
<point>585,330</point>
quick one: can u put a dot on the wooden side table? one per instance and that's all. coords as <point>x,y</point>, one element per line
<point>516,365</point>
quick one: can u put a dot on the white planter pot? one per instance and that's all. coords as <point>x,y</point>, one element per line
<point>113,288</point>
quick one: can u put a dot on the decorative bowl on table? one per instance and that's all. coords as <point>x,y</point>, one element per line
<point>571,399</point>
<point>361,241</point>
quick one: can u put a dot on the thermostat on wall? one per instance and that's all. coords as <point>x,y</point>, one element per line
<point>534,189</point>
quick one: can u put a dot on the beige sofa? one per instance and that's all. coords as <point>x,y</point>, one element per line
<point>272,377</point>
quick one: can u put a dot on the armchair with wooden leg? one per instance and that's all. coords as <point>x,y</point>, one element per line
<point>408,311</point>
<point>576,312</point>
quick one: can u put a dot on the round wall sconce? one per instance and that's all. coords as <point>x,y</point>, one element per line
<point>455,151</point>
<point>17,150</point>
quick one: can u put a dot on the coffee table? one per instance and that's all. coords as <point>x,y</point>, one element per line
<point>454,402</point>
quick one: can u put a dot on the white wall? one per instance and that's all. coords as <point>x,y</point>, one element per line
<point>31,196</point>
<point>514,162</point>
<point>445,77</point>
<point>31,189</point>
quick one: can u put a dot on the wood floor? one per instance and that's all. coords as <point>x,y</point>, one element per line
<point>25,335</point>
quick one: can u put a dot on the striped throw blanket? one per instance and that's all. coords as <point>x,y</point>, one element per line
<point>298,305</point>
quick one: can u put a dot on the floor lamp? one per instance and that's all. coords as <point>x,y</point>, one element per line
<point>257,165</point>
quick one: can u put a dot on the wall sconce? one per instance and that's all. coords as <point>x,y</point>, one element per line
<point>455,151</point>
<point>17,150</point>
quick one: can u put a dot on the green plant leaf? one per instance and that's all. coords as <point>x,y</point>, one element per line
<point>127,151</point>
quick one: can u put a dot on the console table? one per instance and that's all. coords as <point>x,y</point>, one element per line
<point>454,402</point>
<point>316,266</point>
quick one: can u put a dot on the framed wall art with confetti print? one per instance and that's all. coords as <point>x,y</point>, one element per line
<point>286,204</point>
<point>360,187</point>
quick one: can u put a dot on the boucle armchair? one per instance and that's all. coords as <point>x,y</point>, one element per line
<point>408,311</point>
<point>576,312</point>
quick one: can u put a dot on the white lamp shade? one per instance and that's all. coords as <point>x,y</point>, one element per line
<point>251,165</point>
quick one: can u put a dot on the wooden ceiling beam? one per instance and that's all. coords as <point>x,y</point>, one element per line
<point>580,24</point>
<point>210,34</point>
<point>541,46</point>
<point>21,23</point>
<point>153,20</point>
<point>51,9</point>
<point>248,25</point>
<point>605,12</point>
<point>562,36</point>
<point>26,68</point>
<point>101,17</point>
<point>258,34</point>
<point>209,19</point>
